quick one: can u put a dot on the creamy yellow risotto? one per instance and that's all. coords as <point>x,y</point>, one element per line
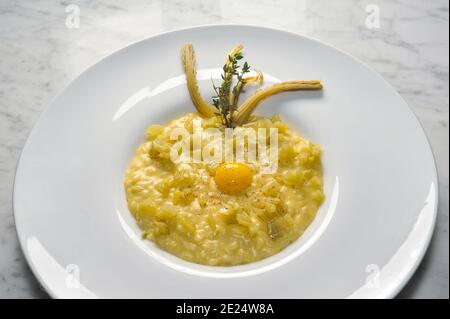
<point>226,213</point>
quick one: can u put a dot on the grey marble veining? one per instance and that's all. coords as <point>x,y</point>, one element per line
<point>39,56</point>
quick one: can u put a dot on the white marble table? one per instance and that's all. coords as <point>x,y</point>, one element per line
<point>40,55</point>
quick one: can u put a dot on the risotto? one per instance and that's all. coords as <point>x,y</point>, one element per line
<point>186,209</point>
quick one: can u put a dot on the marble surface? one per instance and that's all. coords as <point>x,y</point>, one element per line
<point>40,55</point>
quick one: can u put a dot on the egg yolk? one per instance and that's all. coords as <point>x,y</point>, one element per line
<point>233,177</point>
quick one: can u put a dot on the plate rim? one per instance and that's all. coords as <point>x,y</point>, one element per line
<point>403,276</point>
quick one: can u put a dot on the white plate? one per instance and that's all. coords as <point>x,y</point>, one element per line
<point>381,181</point>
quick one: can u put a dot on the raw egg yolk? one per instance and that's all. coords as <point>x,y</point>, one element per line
<point>233,177</point>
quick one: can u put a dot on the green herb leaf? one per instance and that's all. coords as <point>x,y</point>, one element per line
<point>222,99</point>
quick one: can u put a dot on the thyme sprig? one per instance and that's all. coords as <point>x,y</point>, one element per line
<point>223,101</point>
